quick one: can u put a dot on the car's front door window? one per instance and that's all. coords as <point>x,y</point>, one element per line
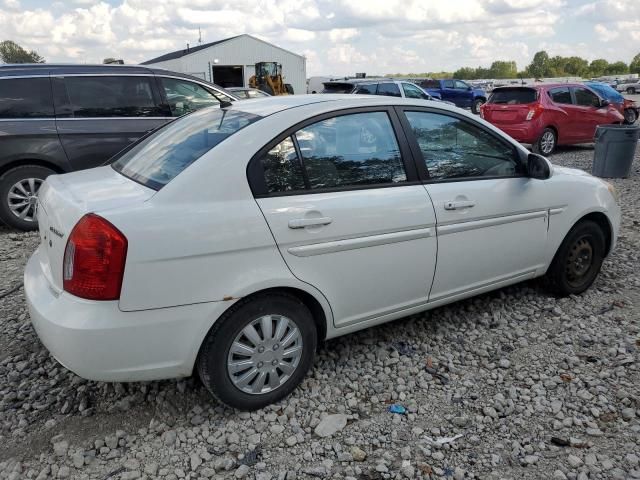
<point>586,98</point>
<point>455,148</point>
<point>461,85</point>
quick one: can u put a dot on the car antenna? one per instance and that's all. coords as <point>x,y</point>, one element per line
<point>225,104</point>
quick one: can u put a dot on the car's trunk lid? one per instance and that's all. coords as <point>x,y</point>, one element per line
<point>64,199</point>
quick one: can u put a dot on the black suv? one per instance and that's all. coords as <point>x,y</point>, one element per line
<point>60,118</point>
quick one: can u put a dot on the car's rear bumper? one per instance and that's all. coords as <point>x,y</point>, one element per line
<point>98,341</point>
<point>528,132</point>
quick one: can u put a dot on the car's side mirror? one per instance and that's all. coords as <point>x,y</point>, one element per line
<point>604,103</point>
<point>538,167</point>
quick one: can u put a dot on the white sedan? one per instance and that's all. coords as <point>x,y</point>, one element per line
<point>231,241</point>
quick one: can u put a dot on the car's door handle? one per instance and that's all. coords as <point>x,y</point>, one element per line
<point>458,205</point>
<point>309,222</point>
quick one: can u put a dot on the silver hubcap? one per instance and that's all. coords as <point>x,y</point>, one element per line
<point>23,198</point>
<point>547,142</point>
<point>264,355</point>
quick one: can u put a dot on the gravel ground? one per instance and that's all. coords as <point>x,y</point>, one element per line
<point>515,384</point>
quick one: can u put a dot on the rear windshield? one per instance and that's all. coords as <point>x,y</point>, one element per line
<point>158,158</point>
<point>513,96</point>
<point>337,88</point>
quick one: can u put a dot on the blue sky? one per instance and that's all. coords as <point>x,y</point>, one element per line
<point>337,37</point>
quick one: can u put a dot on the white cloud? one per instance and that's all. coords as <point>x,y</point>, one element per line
<point>342,34</point>
<point>11,4</point>
<point>337,37</point>
<point>605,34</point>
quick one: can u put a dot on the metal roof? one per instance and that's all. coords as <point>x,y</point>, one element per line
<point>189,51</point>
<point>184,52</point>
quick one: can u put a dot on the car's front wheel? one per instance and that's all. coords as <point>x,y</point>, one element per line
<point>477,103</point>
<point>19,189</point>
<point>578,260</point>
<point>630,116</point>
<point>631,90</point>
<point>258,351</point>
<point>546,144</point>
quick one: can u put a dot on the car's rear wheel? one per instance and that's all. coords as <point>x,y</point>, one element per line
<point>19,189</point>
<point>477,103</point>
<point>546,144</point>
<point>578,260</point>
<point>258,351</point>
<point>630,116</point>
<point>631,90</point>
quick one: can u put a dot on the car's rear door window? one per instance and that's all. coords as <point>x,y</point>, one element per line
<point>282,168</point>
<point>351,150</point>
<point>513,96</point>
<point>454,148</point>
<point>112,96</point>
<point>389,89</point>
<point>26,98</point>
<point>561,95</point>
<point>160,157</point>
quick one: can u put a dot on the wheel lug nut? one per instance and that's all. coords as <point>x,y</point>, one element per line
<point>260,364</point>
<point>260,349</point>
<point>275,347</point>
<point>274,362</point>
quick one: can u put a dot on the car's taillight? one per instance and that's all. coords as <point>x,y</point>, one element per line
<point>534,112</point>
<point>94,259</point>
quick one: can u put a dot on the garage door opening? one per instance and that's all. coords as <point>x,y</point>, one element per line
<point>228,75</point>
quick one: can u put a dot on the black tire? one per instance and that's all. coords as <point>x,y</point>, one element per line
<point>547,142</point>
<point>631,90</point>
<point>265,87</point>
<point>7,181</point>
<point>477,103</point>
<point>289,88</point>
<point>214,353</point>
<point>584,245</point>
<point>630,116</point>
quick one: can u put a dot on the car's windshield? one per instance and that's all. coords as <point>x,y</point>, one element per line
<point>158,158</point>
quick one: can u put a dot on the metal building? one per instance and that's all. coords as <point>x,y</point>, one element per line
<point>230,62</point>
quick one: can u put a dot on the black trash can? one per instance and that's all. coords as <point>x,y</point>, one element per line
<point>615,149</point>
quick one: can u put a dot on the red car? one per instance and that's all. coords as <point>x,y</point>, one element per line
<point>549,115</point>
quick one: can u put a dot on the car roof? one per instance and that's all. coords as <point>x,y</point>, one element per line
<point>270,105</point>
<point>44,69</point>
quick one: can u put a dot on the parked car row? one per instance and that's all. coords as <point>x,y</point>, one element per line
<point>384,87</point>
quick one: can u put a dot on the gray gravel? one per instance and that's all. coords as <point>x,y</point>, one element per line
<point>515,384</point>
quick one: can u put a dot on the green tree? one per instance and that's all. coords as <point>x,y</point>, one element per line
<point>617,68</point>
<point>634,66</point>
<point>576,66</point>
<point>11,52</point>
<point>598,67</point>
<point>502,69</point>
<point>538,67</point>
<point>465,73</point>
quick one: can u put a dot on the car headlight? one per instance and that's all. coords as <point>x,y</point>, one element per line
<point>612,190</point>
